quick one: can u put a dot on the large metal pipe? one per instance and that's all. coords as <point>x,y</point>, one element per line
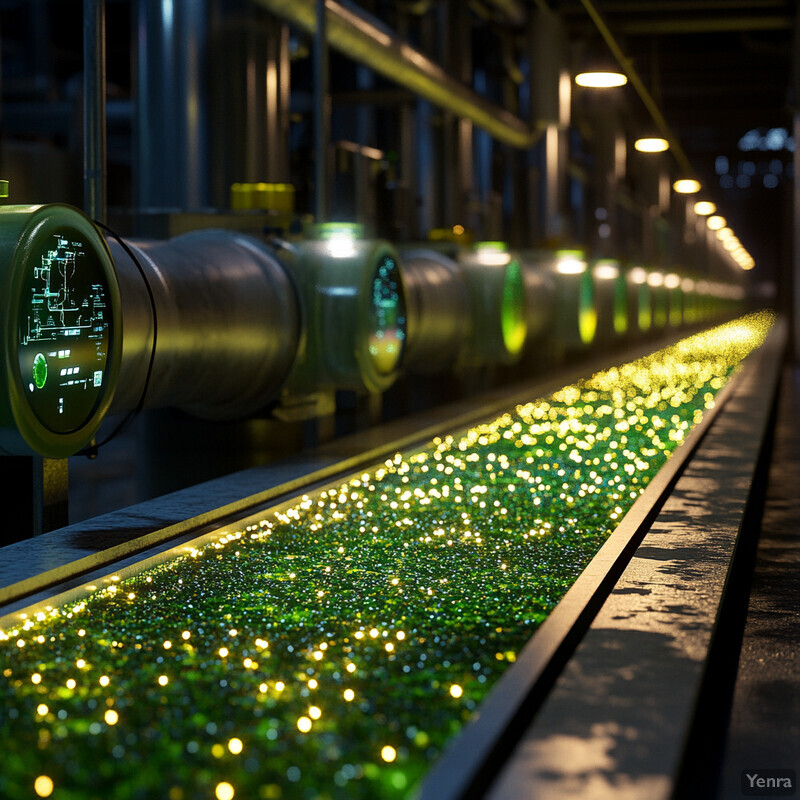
<point>366,40</point>
<point>94,108</point>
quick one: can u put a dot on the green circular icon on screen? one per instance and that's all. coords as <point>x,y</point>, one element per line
<point>39,370</point>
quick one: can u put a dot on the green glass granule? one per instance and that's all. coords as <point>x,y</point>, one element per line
<point>333,648</point>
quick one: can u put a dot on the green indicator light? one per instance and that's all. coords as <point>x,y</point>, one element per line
<point>39,370</point>
<point>620,306</point>
<point>512,313</point>
<point>587,311</point>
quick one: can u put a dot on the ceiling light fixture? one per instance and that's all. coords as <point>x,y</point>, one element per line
<point>651,144</point>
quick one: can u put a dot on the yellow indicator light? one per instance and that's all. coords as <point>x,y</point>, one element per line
<point>223,652</point>
<point>71,684</point>
<point>456,691</point>
<point>36,678</point>
<point>235,746</point>
<point>315,712</point>
<point>104,680</point>
<point>111,717</point>
<point>43,786</point>
<point>163,680</point>
<point>652,144</point>
<point>601,80</point>
<point>42,710</point>
<point>349,695</point>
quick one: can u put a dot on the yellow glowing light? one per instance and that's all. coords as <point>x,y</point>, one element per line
<point>315,712</point>
<point>388,753</point>
<point>224,791</point>
<point>280,686</point>
<point>186,635</point>
<point>80,663</point>
<point>263,688</point>
<point>349,695</point>
<point>163,680</point>
<point>601,80</point>
<point>111,717</point>
<point>167,644</point>
<point>570,265</point>
<point>456,691</point>
<point>458,229</point>
<point>71,683</point>
<point>304,724</point>
<point>638,275</point>
<point>653,144</point>
<point>247,663</point>
<point>359,634</point>
<point>374,633</point>
<point>704,208</point>
<point>655,279</point>
<point>716,222</point>
<point>223,652</point>
<point>672,281</point>
<point>42,710</point>
<point>389,647</point>
<point>400,635</point>
<point>235,746</point>
<point>43,786</point>
<point>104,680</point>
<point>217,750</point>
<point>233,632</point>
<point>81,632</point>
<point>312,684</point>
<point>606,271</point>
<point>36,678</point>
<point>351,667</point>
<point>686,186</point>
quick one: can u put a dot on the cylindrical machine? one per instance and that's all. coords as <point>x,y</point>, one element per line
<point>575,320</point>
<point>640,302</point>
<point>498,305</point>
<point>353,301</point>
<point>225,318</point>
<point>60,306</point>
<point>612,300</point>
<point>540,292</point>
<point>438,310</point>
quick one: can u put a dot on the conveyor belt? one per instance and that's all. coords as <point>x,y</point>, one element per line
<point>423,586</point>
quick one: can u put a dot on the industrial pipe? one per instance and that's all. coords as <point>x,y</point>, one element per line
<point>365,40</point>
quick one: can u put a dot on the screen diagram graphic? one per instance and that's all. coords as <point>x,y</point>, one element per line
<point>64,331</point>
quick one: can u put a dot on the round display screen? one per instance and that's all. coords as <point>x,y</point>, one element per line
<point>63,344</point>
<point>387,320</point>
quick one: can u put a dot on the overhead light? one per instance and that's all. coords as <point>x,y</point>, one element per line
<point>704,208</point>
<point>716,223</point>
<point>600,80</point>
<point>651,144</point>
<point>686,186</point>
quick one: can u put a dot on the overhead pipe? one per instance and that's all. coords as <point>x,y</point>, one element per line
<point>364,39</point>
<point>94,108</point>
